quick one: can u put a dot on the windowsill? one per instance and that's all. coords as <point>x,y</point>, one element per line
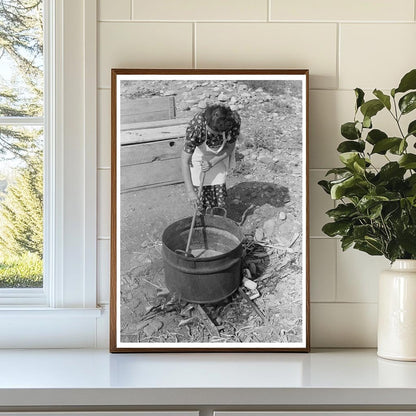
<point>43,327</point>
<point>37,311</point>
<point>59,378</point>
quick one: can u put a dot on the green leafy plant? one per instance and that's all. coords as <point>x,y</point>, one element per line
<point>376,212</point>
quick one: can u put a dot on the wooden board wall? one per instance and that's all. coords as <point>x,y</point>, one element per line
<point>151,143</point>
<point>135,110</point>
<point>150,164</point>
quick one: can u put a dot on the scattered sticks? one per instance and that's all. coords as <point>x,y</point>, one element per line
<point>210,326</point>
<point>253,305</point>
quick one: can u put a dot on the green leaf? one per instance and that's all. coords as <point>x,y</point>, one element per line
<point>407,240</point>
<point>338,189</point>
<point>408,161</point>
<point>400,148</point>
<point>368,248</point>
<point>408,102</point>
<point>412,201</point>
<point>368,201</point>
<point>342,211</point>
<point>375,211</point>
<point>385,99</point>
<point>359,165</point>
<point>411,186</point>
<point>346,242</point>
<point>348,158</point>
<point>383,145</point>
<point>336,228</point>
<point>338,171</point>
<point>371,108</point>
<point>375,135</point>
<point>393,92</point>
<point>367,122</point>
<point>359,95</point>
<point>361,231</point>
<point>349,146</point>
<point>351,187</point>
<point>408,82</point>
<point>391,170</point>
<point>411,130</point>
<point>393,250</point>
<point>325,186</point>
<point>349,131</point>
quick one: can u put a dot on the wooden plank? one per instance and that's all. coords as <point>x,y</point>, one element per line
<point>155,124</point>
<point>150,152</point>
<point>146,174</point>
<point>152,135</point>
<point>146,109</point>
<point>251,303</point>
<point>211,327</point>
<point>156,186</point>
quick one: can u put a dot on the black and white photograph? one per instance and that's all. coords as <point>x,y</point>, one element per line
<point>209,243</point>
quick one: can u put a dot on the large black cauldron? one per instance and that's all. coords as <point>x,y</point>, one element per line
<point>214,272</point>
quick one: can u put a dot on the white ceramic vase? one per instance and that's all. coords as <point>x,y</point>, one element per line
<point>397,312</point>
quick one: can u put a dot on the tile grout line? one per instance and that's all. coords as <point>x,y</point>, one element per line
<point>307,22</point>
<point>194,63</point>
<point>336,271</point>
<point>131,9</point>
<point>108,89</point>
<point>269,11</point>
<point>322,237</point>
<point>338,63</point>
<point>344,303</point>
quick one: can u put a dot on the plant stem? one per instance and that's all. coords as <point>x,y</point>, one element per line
<point>397,118</point>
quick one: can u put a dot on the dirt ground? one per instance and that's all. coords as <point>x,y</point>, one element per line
<point>264,196</point>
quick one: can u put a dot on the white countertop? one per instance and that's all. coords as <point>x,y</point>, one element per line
<point>96,377</point>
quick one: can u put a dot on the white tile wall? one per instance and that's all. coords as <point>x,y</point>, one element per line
<point>357,275</point>
<point>271,45</point>
<point>339,325</point>
<point>323,268</point>
<point>320,202</point>
<point>114,10</point>
<point>345,44</point>
<point>357,10</point>
<point>104,202</point>
<point>328,110</point>
<point>104,128</point>
<point>200,10</point>
<point>145,45</point>
<point>103,271</point>
<point>376,55</point>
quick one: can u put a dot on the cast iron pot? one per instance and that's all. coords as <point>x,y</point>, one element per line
<point>203,279</point>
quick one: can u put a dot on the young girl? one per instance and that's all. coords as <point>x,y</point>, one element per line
<point>208,151</point>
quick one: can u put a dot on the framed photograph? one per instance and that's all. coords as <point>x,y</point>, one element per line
<point>209,210</point>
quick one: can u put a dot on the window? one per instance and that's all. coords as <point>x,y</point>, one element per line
<point>22,128</point>
<point>63,312</point>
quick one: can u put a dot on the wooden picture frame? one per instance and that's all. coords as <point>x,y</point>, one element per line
<point>240,281</point>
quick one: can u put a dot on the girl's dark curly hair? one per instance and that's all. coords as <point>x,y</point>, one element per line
<point>219,117</point>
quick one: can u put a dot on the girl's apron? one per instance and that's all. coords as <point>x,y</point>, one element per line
<point>218,173</point>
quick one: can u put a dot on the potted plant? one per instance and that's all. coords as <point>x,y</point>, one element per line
<point>376,209</point>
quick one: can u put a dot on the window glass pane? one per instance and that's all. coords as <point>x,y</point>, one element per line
<point>21,58</point>
<point>21,210</point>
<point>21,146</point>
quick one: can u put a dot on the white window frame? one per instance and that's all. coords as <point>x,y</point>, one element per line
<point>64,313</point>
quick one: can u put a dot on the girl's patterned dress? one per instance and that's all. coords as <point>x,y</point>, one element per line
<point>203,143</point>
